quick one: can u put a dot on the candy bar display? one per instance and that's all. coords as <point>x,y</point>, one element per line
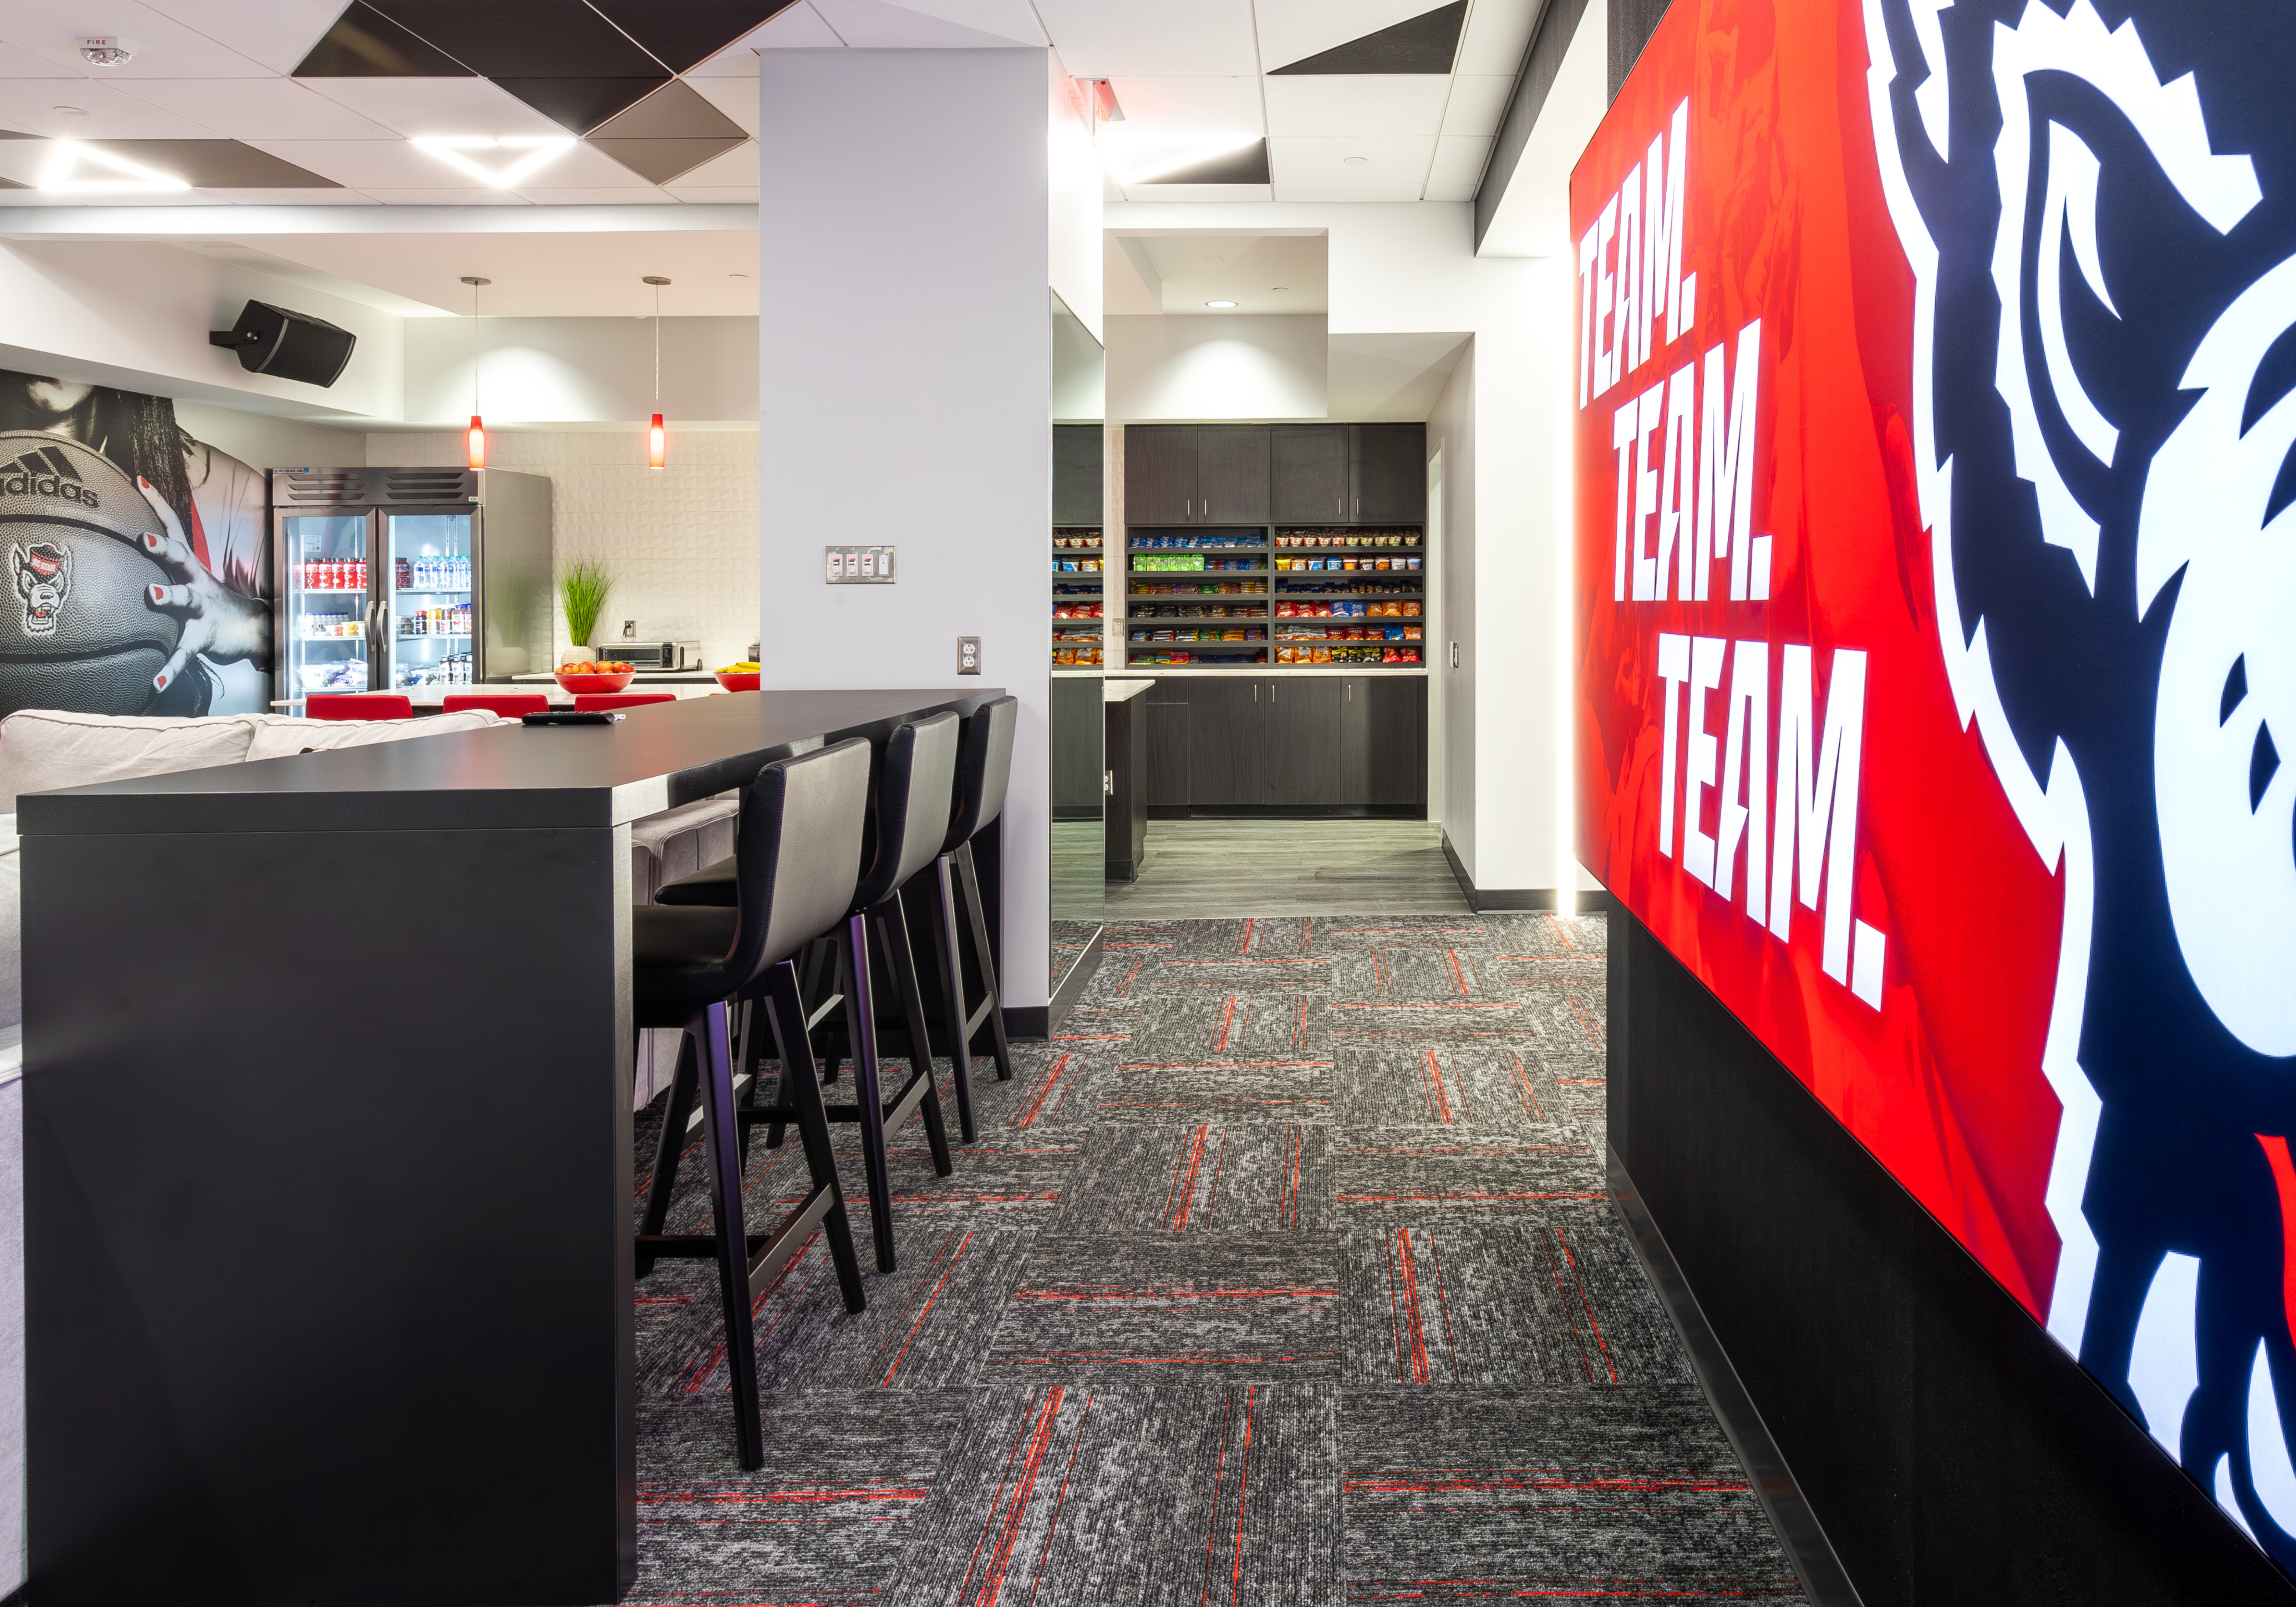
<point>1250,581</point>
<point>1079,601</point>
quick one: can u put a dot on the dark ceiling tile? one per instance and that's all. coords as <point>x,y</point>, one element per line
<point>527,39</point>
<point>1427,43</point>
<point>660,160</point>
<point>365,43</point>
<point>689,33</point>
<point>580,104</point>
<point>10,183</point>
<point>1248,165</point>
<point>216,164</point>
<point>674,111</point>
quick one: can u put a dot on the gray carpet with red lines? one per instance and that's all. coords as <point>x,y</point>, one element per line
<point>1285,1274</point>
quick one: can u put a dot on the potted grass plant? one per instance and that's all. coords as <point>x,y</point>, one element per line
<point>584,585</point>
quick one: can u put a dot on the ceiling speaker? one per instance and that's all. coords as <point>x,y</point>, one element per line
<point>291,346</point>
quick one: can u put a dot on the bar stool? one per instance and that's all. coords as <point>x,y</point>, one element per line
<point>984,768</point>
<point>510,705</point>
<point>797,859</point>
<point>358,706</point>
<point>621,700</point>
<point>911,816</point>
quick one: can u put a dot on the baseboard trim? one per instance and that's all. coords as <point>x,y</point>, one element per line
<point>1069,988</point>
<point>1287,811</point>
<point>1483,900</point>
<point>1825,1582</point>
<point>1023,1024</point>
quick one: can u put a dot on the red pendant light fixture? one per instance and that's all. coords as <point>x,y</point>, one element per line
<point>477,433</point>
<point>657,441</point>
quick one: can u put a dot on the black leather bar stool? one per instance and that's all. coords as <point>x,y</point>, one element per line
<point>984,768</point>
<point>914,779</point>
<point>796,855</point>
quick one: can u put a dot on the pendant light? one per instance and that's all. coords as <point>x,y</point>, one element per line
<point>657,444</point>
<point>478,437</point>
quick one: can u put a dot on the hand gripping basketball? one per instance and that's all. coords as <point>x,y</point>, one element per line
<point>217,621</point>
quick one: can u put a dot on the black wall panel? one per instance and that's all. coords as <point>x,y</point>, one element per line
<point>1953,1452</point>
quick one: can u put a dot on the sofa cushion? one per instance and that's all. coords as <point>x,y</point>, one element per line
<point>279,736</point>
<point>42,749</point>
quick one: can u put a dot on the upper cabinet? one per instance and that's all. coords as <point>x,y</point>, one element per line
<point>1076,474</point>
<point>1255,474</point>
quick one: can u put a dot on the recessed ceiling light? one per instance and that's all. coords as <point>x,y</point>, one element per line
<point>537,149</point>
<point>1358,161</point>
<point>64,174</point>
<point>1219,304</point>
<point>1277,290</point>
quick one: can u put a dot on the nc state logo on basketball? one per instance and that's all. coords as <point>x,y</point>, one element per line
<point>43,580</point>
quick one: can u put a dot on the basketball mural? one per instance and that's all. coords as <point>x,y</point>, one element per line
<point>136,559</point>
<point>1936,604</point>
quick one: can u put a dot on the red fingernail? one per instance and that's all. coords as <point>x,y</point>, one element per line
<point>153,542</point>
<point>160,682</point>
<point>142,482</point>
<point>159,594</point>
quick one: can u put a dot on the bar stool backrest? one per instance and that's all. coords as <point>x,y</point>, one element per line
<point>913,800</point>
<point>510,705</point>
<point>984,766</point>
<point>358,706</point>
<point>797,853</point>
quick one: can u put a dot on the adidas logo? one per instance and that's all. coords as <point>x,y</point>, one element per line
<point>46,472</point>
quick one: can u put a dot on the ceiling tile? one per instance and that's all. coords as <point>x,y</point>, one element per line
<point>205,162</point>
<point>164,47</point>
<point>736,170</point>
<point>737,98</point>
<point>337,197</point>
<point>523,39</point>
<point>581,104</point>
<point>1245,165</point>
<point>443,198</point>
<point>1428,43</point>
<point>1177,38</point>
<point>1176,122</point>
<point>799,27</point>
<point>1293,29</point>
<point>16,63</point>
<point>365,43</point>
<point>1387,103</point>
<point>676,110</point>
<point>724,196</point>
<point>1308,194</point>
<point>1478,104</point>
<point>662,161</point>
<point>1450,191</point>
<point>110,113</point>
<point>276,33</point>
<point>277,109</point>
<point>396,164</point>
<point>876,24</point>
<point>684,33</point>
<point>1391,168</point>
<point>1497,35</point>
<point>436,106</point>
<point>1459,161</point>
<point>1012,20</point>
<point>636,192</point>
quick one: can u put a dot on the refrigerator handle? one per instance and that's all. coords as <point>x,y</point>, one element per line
<point>378,643</point>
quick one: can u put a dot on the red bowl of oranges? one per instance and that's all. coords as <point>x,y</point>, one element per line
<point>604,675</point>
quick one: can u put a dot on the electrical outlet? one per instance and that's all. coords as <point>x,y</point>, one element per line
<point>629,630</point>
<point>857,565</point>
<point>968,655</point>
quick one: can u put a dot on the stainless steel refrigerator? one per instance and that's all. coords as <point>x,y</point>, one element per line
<point>389,578</point>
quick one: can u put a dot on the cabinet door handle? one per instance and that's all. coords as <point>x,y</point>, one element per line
<point>1191,508</point>
<point>1255,692</point>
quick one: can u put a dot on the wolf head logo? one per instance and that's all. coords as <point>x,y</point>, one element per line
<point>44,579</point>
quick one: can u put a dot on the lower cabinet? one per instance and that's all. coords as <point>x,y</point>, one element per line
<point>1305,744</point>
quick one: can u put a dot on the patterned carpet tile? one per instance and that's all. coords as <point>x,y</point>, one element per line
<point>1623,1497</point>
<point>1556,1300</point>
<point>1230,1307</point>
<point>1278,1088</point>
<point>1164,1495</point>
<point>1411,1174</point>
<point>1224,1023</point>
<point>1270,940</point>
<point>1127,970</point>
<point>828,1519</point>
<point>1475,1086</point>
<point>1583,1085</point>
<point>1259,1178</point>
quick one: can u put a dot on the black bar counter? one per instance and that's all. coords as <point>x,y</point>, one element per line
<point>328,1184</point>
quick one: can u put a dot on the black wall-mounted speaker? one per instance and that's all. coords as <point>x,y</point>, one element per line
<point>293,346</point>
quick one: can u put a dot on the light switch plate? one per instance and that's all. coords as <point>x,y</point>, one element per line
<point>857,565</point>
<point>968,655</point>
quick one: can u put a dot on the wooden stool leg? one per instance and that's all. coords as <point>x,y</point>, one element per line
<point>977,915</point>
<point>784,1002</point>
<point>952,965</point>
<point>861,1032</point>
<point>668,1145</point>
<point>893,933</point>
<point>719,1129</point>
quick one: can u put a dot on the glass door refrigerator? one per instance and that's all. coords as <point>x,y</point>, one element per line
<point>394,579</point>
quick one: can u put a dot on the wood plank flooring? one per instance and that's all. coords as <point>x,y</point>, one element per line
<point>1206,869</point>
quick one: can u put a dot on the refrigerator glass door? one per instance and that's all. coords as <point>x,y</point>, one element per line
<point>429,562</point>
<point>326,579</point>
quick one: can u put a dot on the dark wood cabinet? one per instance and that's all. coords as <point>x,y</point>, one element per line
<point>1077,474</point>
<point>1169,773</point>
<point>1301,753</point>
<point>1387,468</point>
<point>1225,761</point>
<point>1076,740</point>
<point>1232,474</point>
<point>1382,747</point>
<point>1307,469</point>
<point>1160,475</point>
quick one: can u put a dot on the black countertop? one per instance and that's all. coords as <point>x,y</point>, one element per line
<point>504,776</point>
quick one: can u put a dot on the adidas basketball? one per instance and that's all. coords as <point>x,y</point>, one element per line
<point>76,628</point>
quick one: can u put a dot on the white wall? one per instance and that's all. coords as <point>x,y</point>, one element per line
<point>1075,183</point>
<point>1229,366</point>
<point>1451,692</point>
<point>682,541</point>
<point>573,371</point>
<point>263,440</point>
<point>136,316</point>
<point>911,396</point>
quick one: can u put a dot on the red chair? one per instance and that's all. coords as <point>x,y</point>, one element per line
<point>358,706</point>
<point>621,700</point>
<point>510,705</point>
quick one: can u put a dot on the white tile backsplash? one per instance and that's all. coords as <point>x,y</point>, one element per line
<point>682,541</point>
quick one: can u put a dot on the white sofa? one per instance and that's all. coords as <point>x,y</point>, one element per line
<point>41,750</point>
